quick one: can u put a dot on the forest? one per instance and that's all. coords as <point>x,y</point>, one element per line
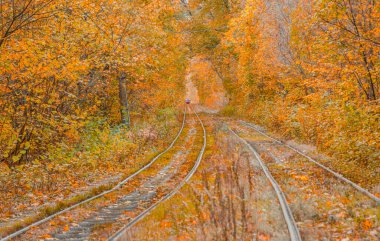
<point>91,90</point>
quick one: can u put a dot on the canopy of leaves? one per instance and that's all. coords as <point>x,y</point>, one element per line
<point>60,62</point>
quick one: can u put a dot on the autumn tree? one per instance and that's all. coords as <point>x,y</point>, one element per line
<point>306,69</point>
<point>19,15</point>
<point>64,63</point>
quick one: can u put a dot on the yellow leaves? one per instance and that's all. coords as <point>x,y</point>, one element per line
<point>184,237</point>
<point>66,228</point>
<point>264,237</point>
<point>16,158</point>
<point>165,224</point>
<point>301,177</point>
<point>367,224</point>
<point>38,193</point>
<point>45,236</point>
<point>75,184</point>
<point>345,200</point>
<point>4,89</point>
<point>4,168</point>
<point>72,135</point>
<point>112,198</point>
<point>128,213</point>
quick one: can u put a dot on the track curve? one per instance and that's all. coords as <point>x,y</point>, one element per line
<point>120,232</point>
<point>288,216</point>
<point>337,175</point>
<point>119,185</point>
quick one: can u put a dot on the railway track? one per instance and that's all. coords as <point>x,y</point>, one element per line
<point>120,232</point>
<point>314,199</point>
<point>109,215</point>
<point>127,202</point>
<point>287,213</point>
<point>337,175</point>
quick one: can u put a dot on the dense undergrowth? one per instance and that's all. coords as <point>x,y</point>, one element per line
<point>101,156</point>
<point>65,65</point>
<point>71,72</point>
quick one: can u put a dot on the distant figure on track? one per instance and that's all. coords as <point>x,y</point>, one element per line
<point>187,101</point>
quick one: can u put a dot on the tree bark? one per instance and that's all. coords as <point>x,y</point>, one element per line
<point>123,100</point>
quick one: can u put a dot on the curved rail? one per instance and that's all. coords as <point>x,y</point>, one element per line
<point>292,227</point>
<point>119,185</point>
<point>339,176</point>
<point>121,231</point>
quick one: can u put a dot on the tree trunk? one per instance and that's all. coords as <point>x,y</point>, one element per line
<point>123,100</point>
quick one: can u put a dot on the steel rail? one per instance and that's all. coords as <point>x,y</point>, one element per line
<point>136,219</point>
<point>289,219</point>
<point>337,175</point>
<point>119,185</point>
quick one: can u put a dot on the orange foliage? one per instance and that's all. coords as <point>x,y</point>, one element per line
<point>307,70</point>
<point>59,68</point>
